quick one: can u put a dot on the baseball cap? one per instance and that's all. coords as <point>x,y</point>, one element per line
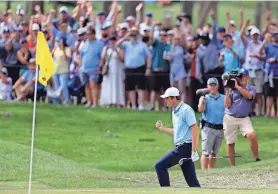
<point>6,29</point>
<point>35,26</point>
<point>20,12</point>
<point>146,28</point>
<point>221,29</point>
<point>243,71</point>
<point>149,15</point>
<point>255,31</point>
<point>171,92</point>
<point>250,28</point>
<point>232,22</point>
<point>205,36</point>
<point>275,34</point>
<point>4,70</point>
<point>130,18</point>
<point>81,31</point>
<point>106,24</point>
<point>100,13</point>
<point>170,32</point>
<point>212,80</point>
<point>63,9</point>
<point>123,25</point>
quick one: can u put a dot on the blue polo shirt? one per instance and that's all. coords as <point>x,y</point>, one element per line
<point>271,51</point>
<point>158,50</point>
<point>183,117</point>
<point>135,54</point>
<point>215,107</point>
<point>230,62</point>
<point>91,55</point>
<point>241,107</point>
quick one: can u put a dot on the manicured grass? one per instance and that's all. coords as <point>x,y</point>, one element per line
<point>74,151</point>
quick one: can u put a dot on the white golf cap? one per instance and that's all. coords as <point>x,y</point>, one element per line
<point>35,26</point>
<point>251,27</point>
<point>130,18</point>
<point>20,12</point>
<point>123,25</point>
<point>63,9</point>
<point>171,92</point>
<point>232,22</point>
<point>255,31</point>
<point>4,70</point>
<point>146,28</point>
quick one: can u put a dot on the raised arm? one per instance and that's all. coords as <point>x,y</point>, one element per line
<point>228,19</point>
<point>241,18</point>
<point>242,32</point>
<point>138,14</point>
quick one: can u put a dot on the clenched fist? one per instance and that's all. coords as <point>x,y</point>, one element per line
<point>159,125</point>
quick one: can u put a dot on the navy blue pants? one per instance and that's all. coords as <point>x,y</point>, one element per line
<point>171,159</point>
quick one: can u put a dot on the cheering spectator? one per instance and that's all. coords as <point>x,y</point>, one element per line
<point>5,85</point>
<point>160,80</point>
<point>254,63</point>
<point>220,37</point>
<point>112,91</point>
<point>90,57</point>
<point>137,63</point>
<point>229,57</point>
<point>61,56</point>
<point>23,55</point>
<point>177,71</point>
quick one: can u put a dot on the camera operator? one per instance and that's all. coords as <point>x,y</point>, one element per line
<point>238,103</point>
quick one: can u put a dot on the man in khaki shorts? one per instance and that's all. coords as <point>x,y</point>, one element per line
<point>238,103</point>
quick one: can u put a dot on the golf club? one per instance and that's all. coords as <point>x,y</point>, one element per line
<point>217,157</point>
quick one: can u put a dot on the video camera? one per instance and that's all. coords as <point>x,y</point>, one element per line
<point>229,76</point>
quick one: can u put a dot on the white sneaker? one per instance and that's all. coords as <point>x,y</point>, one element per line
<point>141,107</point>
<point>134,108</point>
<point>87,105</point>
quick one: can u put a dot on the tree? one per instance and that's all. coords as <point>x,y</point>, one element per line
<point>205,8</point>
<point>187,7</point>
<point>130,8</point>
<point>8,5</point>
<point>258,13</point>
<point>30,8</point>
<point>106,6</point>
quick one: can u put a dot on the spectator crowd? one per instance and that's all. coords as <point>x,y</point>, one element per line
<point>101,60</point>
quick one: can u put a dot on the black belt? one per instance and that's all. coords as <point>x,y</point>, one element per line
<point>213,126</point>
<point>182,144</point>
<point>238,117</point>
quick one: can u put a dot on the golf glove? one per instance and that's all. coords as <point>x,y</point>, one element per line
<point>194,156</point>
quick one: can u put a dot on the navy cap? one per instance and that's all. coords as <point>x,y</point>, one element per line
<point>212,80</point>
<point>23,40</point>
<point>275,34</point>
<point>100,13</point>
<point>149,15</point>
<point>221,29</point>
<point>205,36</point>
<point>243,71</point>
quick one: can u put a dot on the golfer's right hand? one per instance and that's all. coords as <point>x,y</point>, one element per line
<point>159,125</point>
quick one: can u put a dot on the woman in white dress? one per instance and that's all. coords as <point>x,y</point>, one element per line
<point>112,88</point>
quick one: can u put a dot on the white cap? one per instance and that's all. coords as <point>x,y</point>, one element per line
<point>251,27</point>
<point>170,32</point>
<point>20,12</point>
<point>254,31</point>
<point>81,31</point>
<point>232,22</point>
<point>4,70</point>
<point>35,26</point>
<point>123,25</point>
<point>146,28</point>
<point>130,18</point>
<point>106,24</point>
<point>64,8</point>
<point>171,92</point>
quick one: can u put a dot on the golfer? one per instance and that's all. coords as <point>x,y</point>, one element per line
<point>238,103</point>
<point>186,135</point>
<point>212,108</point>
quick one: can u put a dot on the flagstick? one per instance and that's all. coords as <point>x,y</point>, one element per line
<point>33,131</point>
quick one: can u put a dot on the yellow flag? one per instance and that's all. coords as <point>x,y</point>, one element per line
<point>44,59</point>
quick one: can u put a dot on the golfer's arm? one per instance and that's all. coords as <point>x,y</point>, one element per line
<point>195,136</point>
<point>168,130</point>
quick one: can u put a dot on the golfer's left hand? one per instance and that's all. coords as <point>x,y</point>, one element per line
<point>195,156</point>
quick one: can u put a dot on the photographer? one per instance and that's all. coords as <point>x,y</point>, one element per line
<point>238,103</point>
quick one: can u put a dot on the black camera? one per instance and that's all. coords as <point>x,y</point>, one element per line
<point>230,76</point>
